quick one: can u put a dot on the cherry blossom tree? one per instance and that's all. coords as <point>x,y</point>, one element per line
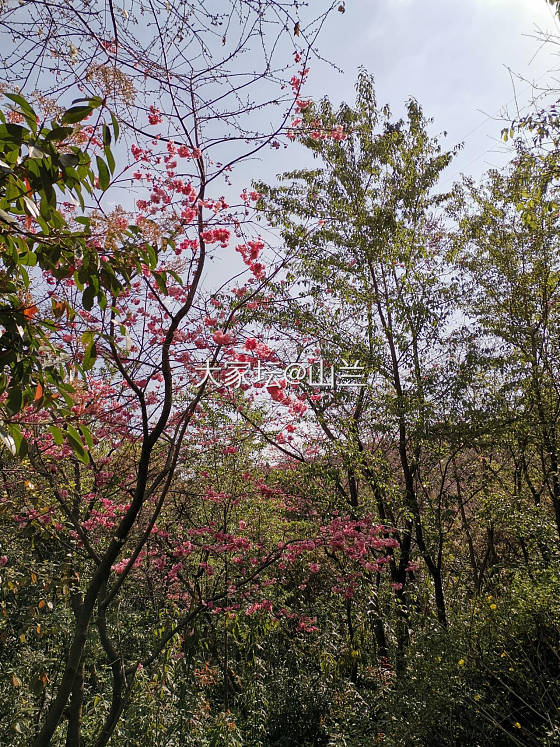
<point>189,108</point>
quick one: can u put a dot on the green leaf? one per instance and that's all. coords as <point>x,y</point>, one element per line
<point>110,159</point>
<point>14,401</point>
<point>151,256</point>
<point>86,433</point>
<point>90,356</point>
<point>57,435</point>
<point>21,102</point>
<point>176,277</point>
<point>160,278</point>
<point>13,133</point>
<point>88,297</point>
<point>115,126</point>
<point>25,108</point>
<point>75,441</point>
<point>76,114</point>
<point>104,176</point>
<point>58,134</point>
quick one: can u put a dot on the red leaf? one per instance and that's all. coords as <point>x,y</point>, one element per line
<point>30,312</point>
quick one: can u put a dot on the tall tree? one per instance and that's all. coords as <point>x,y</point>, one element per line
<point>371,288</point>
<point>509,242</point>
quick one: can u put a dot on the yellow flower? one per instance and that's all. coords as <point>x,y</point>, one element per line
<point>492,606</point>
<point>517,725</point>
<point>461,662</point>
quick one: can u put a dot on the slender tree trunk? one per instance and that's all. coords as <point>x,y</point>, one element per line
<point>350,624</point>
<point>73,733</point>
<point>472,554</point>
<point>115,661</point>
<point>377,624</point>
<point>87,608</point>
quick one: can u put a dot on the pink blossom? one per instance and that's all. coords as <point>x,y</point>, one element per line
<point>154,117</point>
<point>277,393</point>
<point>213,235</point>
<point>338,133</point>
<point>222,338</point>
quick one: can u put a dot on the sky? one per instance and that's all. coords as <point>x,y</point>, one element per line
<point>467,62</point>
<point>453,56</point>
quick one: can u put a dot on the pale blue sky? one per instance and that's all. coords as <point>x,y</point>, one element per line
<point>451,55</point>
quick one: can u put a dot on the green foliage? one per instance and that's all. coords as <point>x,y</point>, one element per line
<point>492,679</point>
<point>43,166</point>
<point>40,165</point>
